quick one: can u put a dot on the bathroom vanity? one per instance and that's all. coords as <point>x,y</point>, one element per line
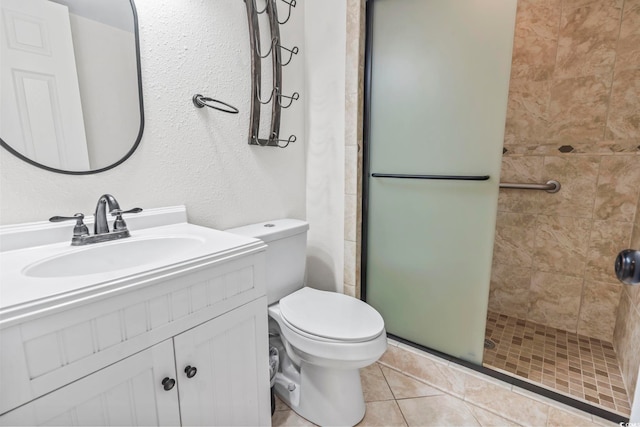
<point>179,338</point>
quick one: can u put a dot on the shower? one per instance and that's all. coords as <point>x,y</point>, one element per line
<point>546,295</point>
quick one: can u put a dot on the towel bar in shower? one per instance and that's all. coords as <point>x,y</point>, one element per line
<point>444,177</point>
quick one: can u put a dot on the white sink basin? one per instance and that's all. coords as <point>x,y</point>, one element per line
<point>112,256</point>
<point>40,270</point>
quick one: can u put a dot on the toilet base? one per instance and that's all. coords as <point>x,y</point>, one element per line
<point>324,396</point>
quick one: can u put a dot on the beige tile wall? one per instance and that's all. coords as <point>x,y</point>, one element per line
<point>353,145</point>
<point>573,116</point>
<point>626,338</point>
<point>575,82</point>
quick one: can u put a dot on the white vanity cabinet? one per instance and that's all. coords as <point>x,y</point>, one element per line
<point>228,386</point>
<point>80,348</point>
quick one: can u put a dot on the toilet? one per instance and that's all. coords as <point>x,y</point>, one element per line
<point>323,338</point>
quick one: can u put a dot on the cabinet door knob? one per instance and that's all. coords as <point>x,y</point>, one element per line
<point>191,371</point>
<point>168,383</point>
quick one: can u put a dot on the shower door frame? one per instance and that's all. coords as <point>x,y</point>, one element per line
<point>366,172</point>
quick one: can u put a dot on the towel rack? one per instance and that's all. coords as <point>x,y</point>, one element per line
<point>552,186</point>
<point>203,101</point>
<point>443,177</point>
<point>276,96</point>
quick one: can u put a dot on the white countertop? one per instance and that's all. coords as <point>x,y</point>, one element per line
<point>21,294</point>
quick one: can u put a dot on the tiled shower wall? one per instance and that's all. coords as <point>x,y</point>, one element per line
<point>626,339</point>
<point>353,145</point>
<point>573,116</point>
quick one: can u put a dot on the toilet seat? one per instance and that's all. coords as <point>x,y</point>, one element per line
<point>328,352</point>
<point>330,316</point>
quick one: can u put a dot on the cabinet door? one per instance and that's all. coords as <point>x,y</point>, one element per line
<point>127,393</point>
<point>231,385</point>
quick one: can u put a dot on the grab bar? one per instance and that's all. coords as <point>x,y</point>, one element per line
<point>446,177</point>
<point>551,186</point>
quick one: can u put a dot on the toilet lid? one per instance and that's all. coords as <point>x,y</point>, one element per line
<point>331,315</point>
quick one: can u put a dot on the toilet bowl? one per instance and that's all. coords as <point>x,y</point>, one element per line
<point>324,338</point>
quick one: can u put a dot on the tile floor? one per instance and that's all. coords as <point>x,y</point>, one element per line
<point>575,365</point>
<point>408,387</point>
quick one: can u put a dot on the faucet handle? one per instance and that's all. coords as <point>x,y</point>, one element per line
<point>119,223</point>
<point>80,229</point>
<point>118,212</point>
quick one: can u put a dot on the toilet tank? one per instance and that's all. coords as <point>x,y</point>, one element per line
<point>286,254</point>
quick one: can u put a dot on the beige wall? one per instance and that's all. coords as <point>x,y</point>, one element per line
<point>573,116</point>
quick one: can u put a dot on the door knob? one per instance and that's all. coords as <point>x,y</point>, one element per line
<point>628,267</point>
<point>168,383</point>
<point>191,371</point>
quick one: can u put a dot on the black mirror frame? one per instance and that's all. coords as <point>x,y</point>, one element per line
<point>139,137</point>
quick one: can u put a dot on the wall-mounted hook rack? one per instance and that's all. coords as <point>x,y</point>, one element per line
<point>293,51</point>
<point>273,44</point>
<point>291,5</point>
<point>275,142</point>
<point>266,6</point>
<point>274,91</point>
<point>287,141</point>
<point>276,96</point>
<point>294,97</point>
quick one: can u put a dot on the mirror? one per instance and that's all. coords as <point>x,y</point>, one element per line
<point>71,84</point>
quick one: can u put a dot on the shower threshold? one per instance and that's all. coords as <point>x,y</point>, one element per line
<point>575,365</point>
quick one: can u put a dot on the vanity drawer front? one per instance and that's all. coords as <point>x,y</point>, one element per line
<point>44,354</point>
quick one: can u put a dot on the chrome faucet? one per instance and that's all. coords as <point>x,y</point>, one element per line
<point>101,226</point>
<point>101,231</point>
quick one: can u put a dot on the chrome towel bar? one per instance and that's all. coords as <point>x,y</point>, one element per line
<point>445,177</point>
<point>551,186</point>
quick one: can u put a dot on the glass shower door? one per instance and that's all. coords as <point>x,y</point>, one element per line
<point>438,98</point>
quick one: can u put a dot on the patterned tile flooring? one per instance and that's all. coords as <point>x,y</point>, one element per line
<point>408,387</point>
<point>576,365</point>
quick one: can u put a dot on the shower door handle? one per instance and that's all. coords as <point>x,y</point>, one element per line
<point>442,177</point>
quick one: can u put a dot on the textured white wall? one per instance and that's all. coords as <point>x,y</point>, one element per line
<point>199,158</point>
<point>325,36</point>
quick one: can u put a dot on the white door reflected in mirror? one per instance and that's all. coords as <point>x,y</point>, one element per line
<point>41,108</point>
<point>71,97</point>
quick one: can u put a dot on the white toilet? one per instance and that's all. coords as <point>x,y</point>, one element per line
<point>324,338</point>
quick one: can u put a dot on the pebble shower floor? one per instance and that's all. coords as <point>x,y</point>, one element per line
<point>576,365</point>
